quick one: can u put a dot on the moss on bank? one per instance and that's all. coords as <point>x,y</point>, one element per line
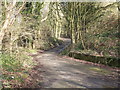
<point>111,61</point>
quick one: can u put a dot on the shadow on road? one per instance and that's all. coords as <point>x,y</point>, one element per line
<point>59,72</point>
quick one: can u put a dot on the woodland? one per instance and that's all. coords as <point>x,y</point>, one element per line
<point>28,27</point>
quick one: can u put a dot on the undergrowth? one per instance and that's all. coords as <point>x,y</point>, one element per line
<point>50,43</point>
<point>15,68</point>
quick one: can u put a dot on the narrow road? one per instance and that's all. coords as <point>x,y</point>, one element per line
<point>59,72</point>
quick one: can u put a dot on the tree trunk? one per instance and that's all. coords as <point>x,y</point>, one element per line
<point>10,13</point>
<point>3,30</point>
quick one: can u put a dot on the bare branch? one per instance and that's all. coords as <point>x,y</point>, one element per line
<point>21,8</point>
<point>6,4</point>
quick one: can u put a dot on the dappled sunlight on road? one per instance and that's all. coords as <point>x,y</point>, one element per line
<point>64,73</point>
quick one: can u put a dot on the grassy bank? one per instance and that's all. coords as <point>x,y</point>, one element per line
<point>91,56</point>
<point>16,69</point>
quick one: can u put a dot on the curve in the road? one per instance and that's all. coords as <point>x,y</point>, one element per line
<point>61,72</point>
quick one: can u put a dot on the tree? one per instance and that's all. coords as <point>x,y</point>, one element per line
<point>11,11</point>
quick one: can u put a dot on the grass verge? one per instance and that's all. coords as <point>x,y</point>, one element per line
<point>18,70</point>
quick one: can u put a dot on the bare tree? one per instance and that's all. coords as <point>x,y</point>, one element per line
<point>11,11</point>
